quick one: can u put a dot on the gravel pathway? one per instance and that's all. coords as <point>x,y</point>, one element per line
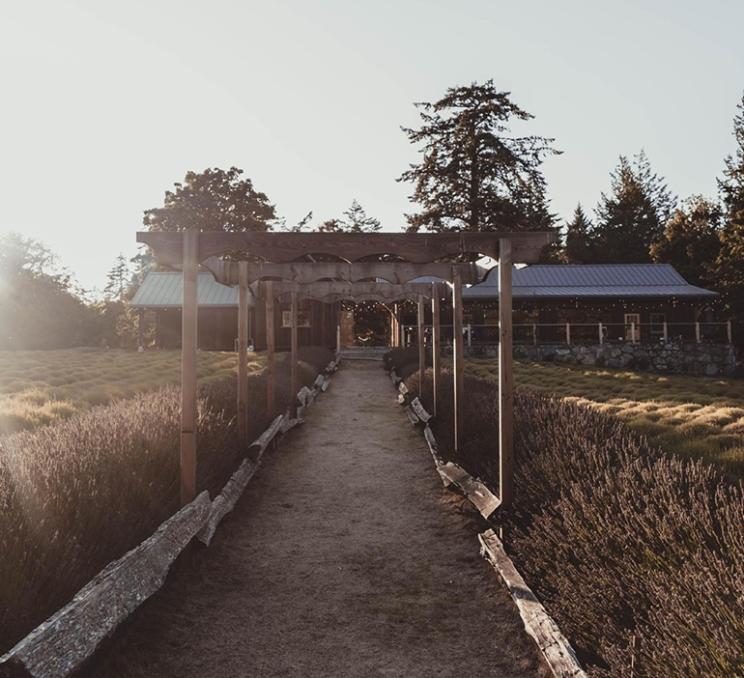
<point>345,557</point>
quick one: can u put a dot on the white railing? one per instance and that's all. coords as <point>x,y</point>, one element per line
<point>584,333</point>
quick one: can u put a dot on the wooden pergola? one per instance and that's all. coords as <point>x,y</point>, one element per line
<point>287,269</point>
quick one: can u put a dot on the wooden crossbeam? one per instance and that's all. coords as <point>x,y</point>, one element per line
<point>286,247</point>
<point>226,272</point>
<point>331,291</point>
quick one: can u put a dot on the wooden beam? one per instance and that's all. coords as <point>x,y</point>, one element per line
<point>458,366</point>
<point>436,351</point>
<point>270,352</point>
<point>189,339</point>
<point>506,386</point>
<point>394,272</point>
<point>329,291</point>
<point>243,354</point>
<point>421,344</point>
<point>415,248</point>
<point>295,381</point>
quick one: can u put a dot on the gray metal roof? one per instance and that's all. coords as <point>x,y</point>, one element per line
<point>164,289</point>
<point>590,280</point>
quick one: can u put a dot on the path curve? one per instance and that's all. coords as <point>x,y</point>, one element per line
<point>345,557</point>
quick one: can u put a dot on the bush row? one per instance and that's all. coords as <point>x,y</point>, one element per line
<point>617,539</point>
<point>80,493</point>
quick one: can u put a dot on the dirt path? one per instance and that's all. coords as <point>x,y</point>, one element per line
<point>345,557</point>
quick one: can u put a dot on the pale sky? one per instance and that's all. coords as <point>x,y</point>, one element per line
<point>106,104</point>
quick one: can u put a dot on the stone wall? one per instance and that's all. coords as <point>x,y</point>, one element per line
<point>678,358</point>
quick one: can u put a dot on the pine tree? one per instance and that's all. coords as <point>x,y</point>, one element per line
<point>633,216</point>
<point>578,249</point>
<point>474,175</point>
<point>691,240</point>
<point>118,279</point>
<point>355,221</point>
<point>729,268</point>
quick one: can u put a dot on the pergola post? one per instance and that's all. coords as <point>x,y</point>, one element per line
<point>506,386</point>
<point>323,324</point>
<point>270,349</point>
<point>436,347</point>
<point>189,330</point>
<point>243,352</point>
<point>295,380</point>
<point>421,343</point>
<point>458,355</point>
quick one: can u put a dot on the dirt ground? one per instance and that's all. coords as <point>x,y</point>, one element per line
<point>345,557</point>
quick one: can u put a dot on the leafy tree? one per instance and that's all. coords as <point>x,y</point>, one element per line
<point>633,216</point>
<point>729,269</point>
<point>213,200</point>
<point>474,175</point>
<point>578,248</point>
<point>355,221</point>
<point>38,306</point>
<point>118,279</point>
<point>691,240</point>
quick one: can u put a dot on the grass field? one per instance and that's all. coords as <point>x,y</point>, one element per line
<point>693,416</point>
<point>41,387</point>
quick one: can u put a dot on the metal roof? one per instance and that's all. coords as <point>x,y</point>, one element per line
<point>164,289</point>
<point>590,280</point>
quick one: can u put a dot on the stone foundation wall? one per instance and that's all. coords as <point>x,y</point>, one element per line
<point>709,360</point>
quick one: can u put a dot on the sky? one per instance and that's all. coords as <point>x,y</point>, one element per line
<point>106,104</point>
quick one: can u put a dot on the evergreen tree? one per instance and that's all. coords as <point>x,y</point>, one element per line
<point>578,248</point>
<point>633,216</point>
<point>729,269</point>
<point>213,200</point>
<point>355,221</point>
<point>691,240</point>
<point>118,279</point>
<point>475,176</point>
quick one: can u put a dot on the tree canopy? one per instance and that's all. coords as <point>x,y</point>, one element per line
<point>475,175</point>
<point>355,220</point>
<point>730,261</point>
<point>213,200</point>
<point>691,240</point>
<point>632,217</point>
<point>578,247</point>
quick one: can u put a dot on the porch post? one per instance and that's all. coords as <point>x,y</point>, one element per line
<point>436,346</point>
<point>601,336</point>
<point>568,333</point>
<point>697,331</point>
<point>189,338</point>
<point>506,397</point>
<point>270,349</point>
<point>534,334</point>
<point>242,351</point>
<point>141,329</point>
<point>295,381</point>
<point>665,329</point>
<point>729,333</point>
<point>457,354</point>
<point>421,344</point>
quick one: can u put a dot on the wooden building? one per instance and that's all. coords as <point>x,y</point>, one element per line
<point>158,300</point>
<point>559,303</point>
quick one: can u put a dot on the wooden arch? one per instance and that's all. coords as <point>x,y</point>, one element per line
<point>424,252</point>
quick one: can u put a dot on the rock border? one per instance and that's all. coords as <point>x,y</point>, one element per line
<point>553,645</point>
<point>60,645</point>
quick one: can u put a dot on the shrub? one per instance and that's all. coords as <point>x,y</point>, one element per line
<point>615,537</point>
<point>80,493</point>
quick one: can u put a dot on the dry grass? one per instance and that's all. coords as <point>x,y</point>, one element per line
<point>42,387</point>
<point>81,492</point>
<point>698,417</point>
